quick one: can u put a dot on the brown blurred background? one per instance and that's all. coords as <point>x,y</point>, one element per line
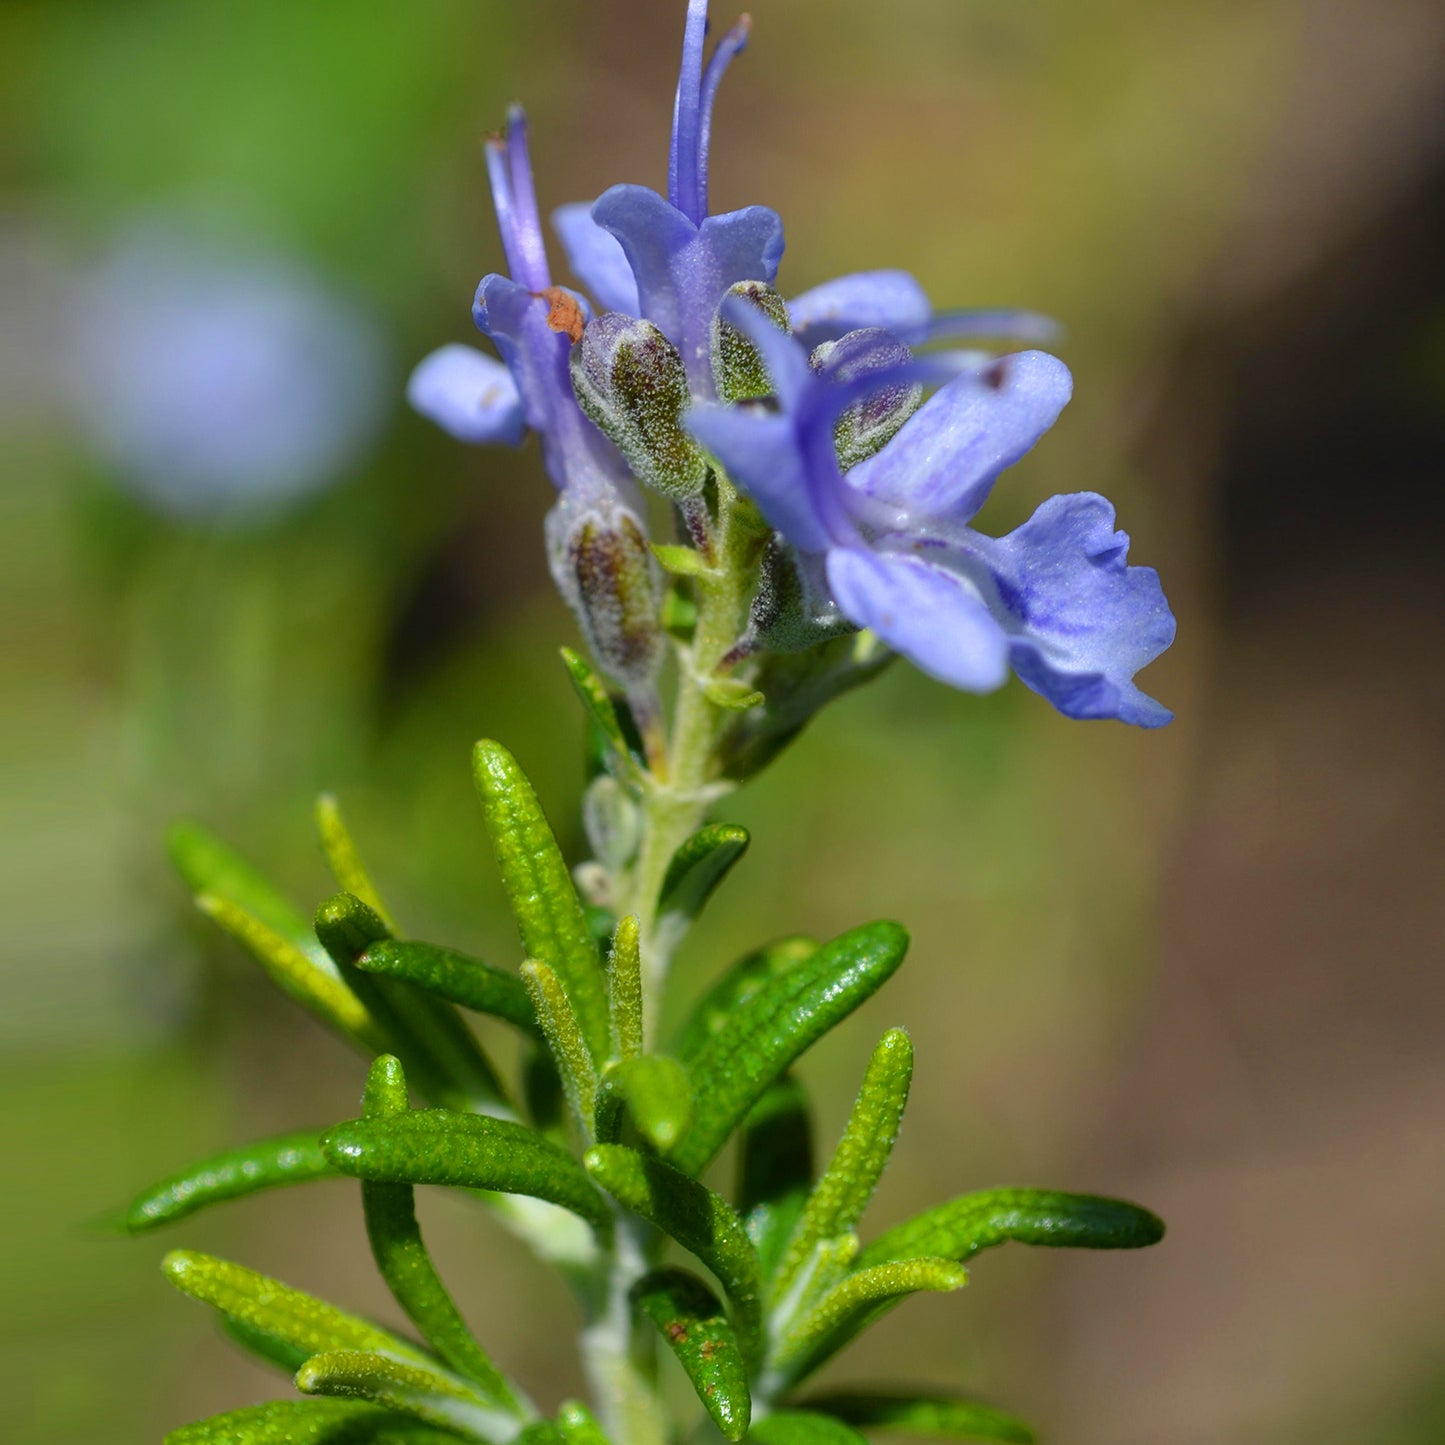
<point>1199,968</point>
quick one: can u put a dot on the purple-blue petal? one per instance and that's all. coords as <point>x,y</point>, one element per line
<point>596,258</point>
<point>943,463</point>
<point>759,450</point>
<point>1081,622</point>
<point>934,618</point>
<point>890,299</point>
<point>682,270</point>
<point>468,393</point>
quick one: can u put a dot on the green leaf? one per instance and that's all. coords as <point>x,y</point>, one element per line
<point>539,888</point>
<point>842,1194</point>
<point>467,1151</point>
<point>800,1427</point>
<point>541,1432</point>
<point>344,858</point>
<point>454,976</point>
<point>735,988</point>
<point>680,561</point>
<point>973,1222</point>
<point>563,1032</point>
<point>296,972</point>
<point>577,1426</point>
<point>268,1164</point>
<point>731,693</point>
<point>402,1258</point>
<point>653,1090</point>
<point>699,866</point>
<point>310,1422</point>
<point>696,1218</point>
<point>287,1358</point>
<point>851,1306</point>
<point>266,1306</point>
<point>601,710</point>
<point>433,1396</point>
<point>932,1417</point>
<point>209,866</point>
<point>762,1037</point>
<point>439,1050</point>
<point>775,1167</point>
<point>690,1319</point>
<point>624,988</point>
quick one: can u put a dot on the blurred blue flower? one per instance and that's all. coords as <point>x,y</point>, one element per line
<point>1054,599</point>
<point>220,383</point>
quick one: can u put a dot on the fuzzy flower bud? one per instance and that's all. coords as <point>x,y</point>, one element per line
<point>737,367</point>
<point>598,553</point>
<point>630,380</point>
<point>869,425</point>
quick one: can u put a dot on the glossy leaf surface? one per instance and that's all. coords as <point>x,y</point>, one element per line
<point>652,1091</point>
<point>763,1036</point>
<point>699,866</point>
<point>468,1151</point>
<point>454,976</point>
<point>930,1417</point>
<point>973,1222</point>
<point>267,1164</point>
<point>691,1321</point>
<point>310,1422</point>
<point>539,888</point>
<point>699,1220</point>
<point>735,988</point>
<point>801,1427</point>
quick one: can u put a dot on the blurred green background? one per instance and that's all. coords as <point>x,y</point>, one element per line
<point>1198,968</point>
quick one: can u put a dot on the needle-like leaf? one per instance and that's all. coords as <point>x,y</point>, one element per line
<point>624,988</point>
<point>578,1427</point>
<point>800,1427</point>
<point>345,859</point>
<point>467,1151</point>
<point>310,1422</point>
<point>690,1319</point>
<point>296,1320</point>
<point>456,977</point>
<point>402,1258</point>
<point>600,710</point>
<point>699,866</point>
<point>762,1037</point>
<point>735,988</point>
<point>842,1193</point>
<point>699,1220</point>
<point>268,1164</point>
<point>563,1032</point>
<point>653,1091</point>
<point>973,1222</point>
<point>775,1166</point>
<point>929,1417</point>
<point>430,1394</point>
<point>544,902</point>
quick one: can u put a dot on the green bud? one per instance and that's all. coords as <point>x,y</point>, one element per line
<point>738,370</point>
<point>599,557</point>
<point>870,424</point>
<point>630,380</point>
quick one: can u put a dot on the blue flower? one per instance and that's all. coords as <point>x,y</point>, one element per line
<point>1054,599</point>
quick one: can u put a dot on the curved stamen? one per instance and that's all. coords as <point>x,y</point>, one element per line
<point>1002,322</point>
<point>683,179</point>
<point>530,245</point>
<point>500,177</point>
<point>731,45</point>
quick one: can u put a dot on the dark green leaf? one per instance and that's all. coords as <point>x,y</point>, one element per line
<point>468,1151</point>
<point>690,1318</point>
<point>563,1032</point>
<point>775,1167</point>
<point>972,1222</point>
<point>624,988</point>
<point>699,866</point>
<point>544,902</point>
<point>763,1036</point>
<point>268,1307</point>
<point>735,988</point>
<point>696,1218</point>
<point>653,1091</point>
<point>433,1396</point>
<point>932,1417</point>
<point>842,1194</point>
<point>455,977</point>
<point>851,1306</point>
<point>345,859</point>
<point>310,1422</point>
<point>799,1427</point>
<point>290,1159</point>
<point>209,866</point>
<point>402,1258</point>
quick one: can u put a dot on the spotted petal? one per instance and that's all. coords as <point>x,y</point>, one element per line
<point>470,394</point>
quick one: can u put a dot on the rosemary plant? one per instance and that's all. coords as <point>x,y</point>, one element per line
<point>823,513</point>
